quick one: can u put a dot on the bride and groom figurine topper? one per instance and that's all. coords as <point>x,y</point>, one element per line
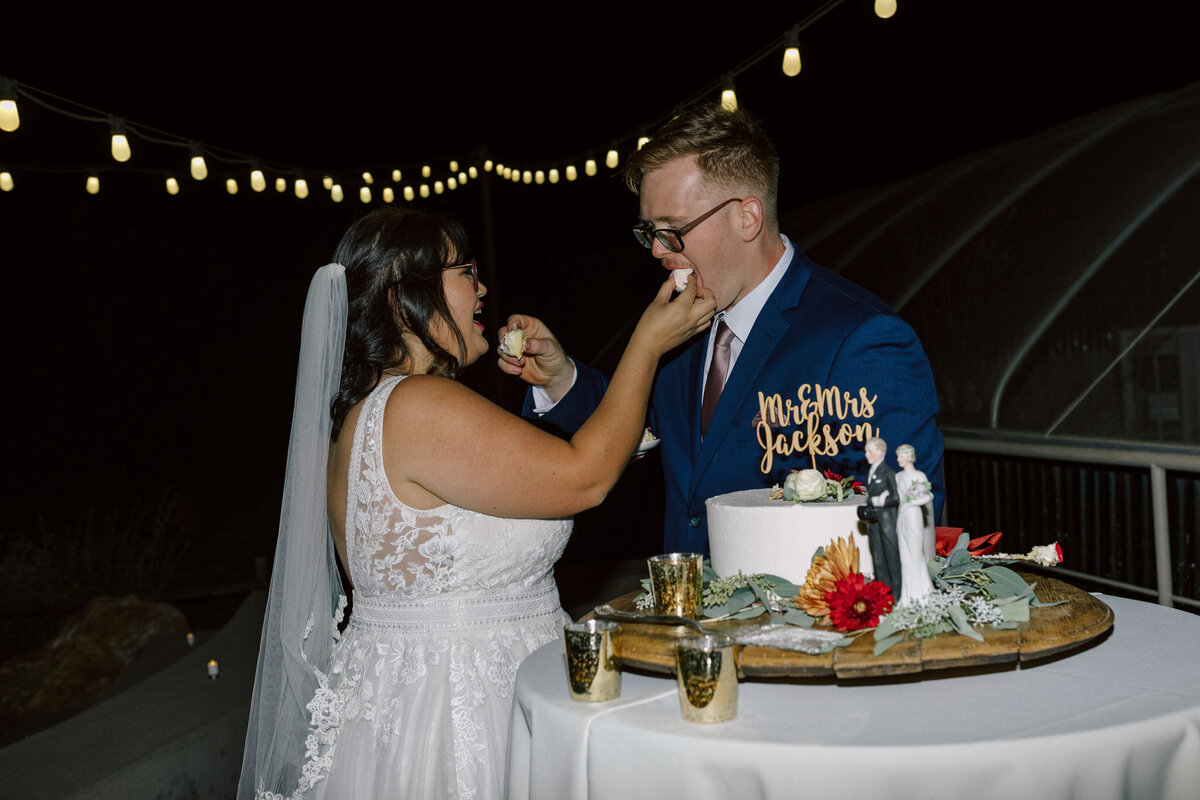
<point>899,517</point>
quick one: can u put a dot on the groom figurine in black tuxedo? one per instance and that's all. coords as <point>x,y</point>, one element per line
<point>883,502</point>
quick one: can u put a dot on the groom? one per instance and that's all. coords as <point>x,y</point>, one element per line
<point>708,182</point>
<point>880,512</point>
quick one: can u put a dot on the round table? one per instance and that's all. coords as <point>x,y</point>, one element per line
<point>1118,719</point>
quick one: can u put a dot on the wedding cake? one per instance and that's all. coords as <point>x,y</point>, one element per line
<point>750,532</point>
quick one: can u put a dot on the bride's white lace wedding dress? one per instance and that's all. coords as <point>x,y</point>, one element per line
<point>447,603</point>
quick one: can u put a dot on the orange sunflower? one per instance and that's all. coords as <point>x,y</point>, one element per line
<point>840,561</point>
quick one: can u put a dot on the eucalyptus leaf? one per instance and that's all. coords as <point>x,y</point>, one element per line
<point>886,628</point>
<point>783,588</point>
<point>883,645</point>
<point>958,619</point>
<point>1005,582</point>
<point>798,618</point>
<point>1004,626</point>
<point>1015,612</point>
<point>960,553</point>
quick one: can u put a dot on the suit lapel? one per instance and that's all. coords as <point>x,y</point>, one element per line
<point>764,337</point>
<point>694,400</point>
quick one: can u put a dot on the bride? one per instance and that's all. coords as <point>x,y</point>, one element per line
<point>446,512</point>
<point>914,526</point>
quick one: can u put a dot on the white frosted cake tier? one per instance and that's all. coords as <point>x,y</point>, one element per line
<point>749,532</point>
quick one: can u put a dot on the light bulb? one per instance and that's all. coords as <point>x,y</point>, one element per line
<point>424,192</point>
<point>462,177</point>
<point>589,168</point>
<point>487,165</point>
<point>388,194</point>
<point>438,187</point>
<point>572,174</point>
<point>258,181</point>
<point>172,186</point>
<point>500,169</point>
<point>120,147</point>
<point>554,176</point>
<point>364,194</point>
<point>281,185</point>
<point>6,182</point>
<point>199,168</point>
<point>612,159</point>
<point>728,96</point>
<point>10,119</point>
<point>884,9</point>
<point>426,171</point>
<point>327,182</point>
<point>336,193</point>
<point>454,166</point>
<point>301,188</point>
<point>395,176</point>
<point>93,185</point>
<point>408,193</point>
<point>474,173</point>
<point>791,62</point>
<point>516,176</point>
<point>539,177</point>
<point>506,172</point>
<point>527,176</point>
<point>368,179</point>
<point>451,183</point>
<point>231,186</point>
<point>640,143</point>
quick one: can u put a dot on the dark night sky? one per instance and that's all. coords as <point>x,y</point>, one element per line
<point>154,338</point>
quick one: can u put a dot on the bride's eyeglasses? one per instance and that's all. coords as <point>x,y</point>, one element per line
<point>474,267</point>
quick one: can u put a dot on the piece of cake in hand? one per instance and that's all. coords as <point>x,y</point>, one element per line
<point>514,343</point>
<point>681,278</point>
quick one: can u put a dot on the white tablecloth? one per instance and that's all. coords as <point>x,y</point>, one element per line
<point>1118,720</point>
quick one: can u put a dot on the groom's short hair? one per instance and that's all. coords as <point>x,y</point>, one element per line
<point>731,149</point>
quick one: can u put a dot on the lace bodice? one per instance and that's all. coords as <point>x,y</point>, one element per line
<point>412,553</point>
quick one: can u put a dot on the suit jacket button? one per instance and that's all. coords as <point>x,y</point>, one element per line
<point>694,522</point>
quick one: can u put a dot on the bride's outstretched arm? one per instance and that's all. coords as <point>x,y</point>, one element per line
<point>461,448</point>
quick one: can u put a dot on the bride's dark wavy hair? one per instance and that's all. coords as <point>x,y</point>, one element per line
<point>394,259</point>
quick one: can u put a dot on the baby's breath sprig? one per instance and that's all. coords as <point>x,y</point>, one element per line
<point>718,591</point>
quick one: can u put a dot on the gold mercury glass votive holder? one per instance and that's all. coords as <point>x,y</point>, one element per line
<point>707,674</point>
<point>675,583</point>
<point>592,671</point>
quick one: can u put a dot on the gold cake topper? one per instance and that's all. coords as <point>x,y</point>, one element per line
<point>810,435</point>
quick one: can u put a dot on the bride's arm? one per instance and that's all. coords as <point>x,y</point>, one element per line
<point>467,451</point>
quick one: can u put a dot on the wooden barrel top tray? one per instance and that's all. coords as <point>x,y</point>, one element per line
<point>1049,631</point>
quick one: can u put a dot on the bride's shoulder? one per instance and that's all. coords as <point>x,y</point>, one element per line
<point>421,394</point>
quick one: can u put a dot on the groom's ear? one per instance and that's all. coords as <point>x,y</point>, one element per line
<point>750,220</point>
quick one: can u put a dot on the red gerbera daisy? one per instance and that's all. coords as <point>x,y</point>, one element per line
<point>855,604</point>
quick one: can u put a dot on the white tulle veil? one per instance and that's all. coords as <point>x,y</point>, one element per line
<point>299,627</point>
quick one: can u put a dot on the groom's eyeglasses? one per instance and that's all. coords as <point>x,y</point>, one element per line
<point>474,272</point>
<point>672,238</point>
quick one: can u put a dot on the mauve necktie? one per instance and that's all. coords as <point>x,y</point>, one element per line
<point>717,371</point>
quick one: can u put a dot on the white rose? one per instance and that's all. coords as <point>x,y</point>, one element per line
<point>1045,554</point>
<point>805,485</point>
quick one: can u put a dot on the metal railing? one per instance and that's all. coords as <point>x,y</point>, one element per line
<point>1156,459</point>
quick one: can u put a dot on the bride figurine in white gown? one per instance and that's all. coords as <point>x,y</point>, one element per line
<point>914,526</point>
<point>446,511</point>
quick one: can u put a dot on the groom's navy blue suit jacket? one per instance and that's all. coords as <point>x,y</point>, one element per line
<point>816,328</point>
